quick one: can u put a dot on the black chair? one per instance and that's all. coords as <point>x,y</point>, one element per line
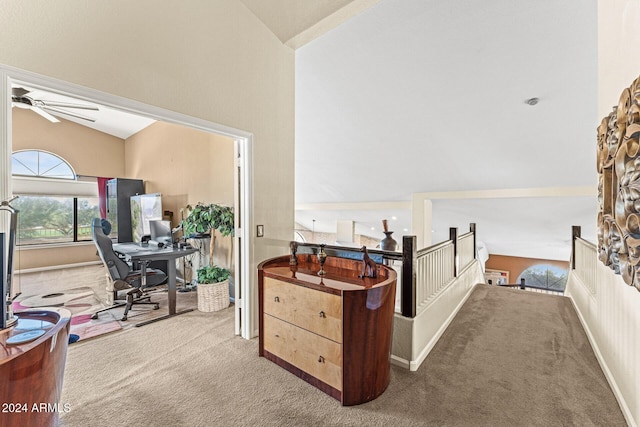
<point>124,277</point>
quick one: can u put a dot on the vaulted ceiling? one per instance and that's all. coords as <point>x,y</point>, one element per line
<point>419,96</point>
<point>402,97</point>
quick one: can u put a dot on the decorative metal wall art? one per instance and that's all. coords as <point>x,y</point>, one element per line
<point>618,163</point>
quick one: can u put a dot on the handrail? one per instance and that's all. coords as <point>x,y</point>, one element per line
<point>436,265</point>
<point>433,248</point>
<point>377,255</point>
<point>427,271</point>
<point>584,258</point>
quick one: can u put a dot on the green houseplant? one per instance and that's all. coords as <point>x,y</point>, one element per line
<point>212,274</point>
<point>204,218</point>
<point>213,281</point>
<point>213,288</point>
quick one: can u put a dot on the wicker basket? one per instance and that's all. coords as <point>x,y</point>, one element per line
<point>213,296</point>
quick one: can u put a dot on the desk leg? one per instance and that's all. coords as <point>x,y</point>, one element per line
<point>171,277</point>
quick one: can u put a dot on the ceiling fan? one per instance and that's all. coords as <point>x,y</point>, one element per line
<point>20,98</point>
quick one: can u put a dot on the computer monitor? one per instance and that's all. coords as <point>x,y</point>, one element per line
<point>161,232</point>
<point>144,208</point>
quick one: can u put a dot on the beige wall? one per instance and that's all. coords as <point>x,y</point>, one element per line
<point>208,59</point>
<point>186,166</point>
<point>516,265</point>
<point>89,152</point>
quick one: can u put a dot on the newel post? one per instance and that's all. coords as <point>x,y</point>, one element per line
<point>576,231</point>
<point>472,228</point>
<point>522,283</point>
<point>453,236</point>
<point>408,302</point>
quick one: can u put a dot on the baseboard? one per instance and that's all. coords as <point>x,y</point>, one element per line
<point>400,362</point>
<point>415,364</point>
<point>57,267</point>
<point>603,364</point>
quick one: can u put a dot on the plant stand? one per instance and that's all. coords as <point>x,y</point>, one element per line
<point>213,296</point>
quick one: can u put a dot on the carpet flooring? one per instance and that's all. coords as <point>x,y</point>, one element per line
<point>509,358</point>
<point>82,302</point>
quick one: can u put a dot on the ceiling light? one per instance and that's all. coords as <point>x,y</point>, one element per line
<point>532,101</point>
<point>394,218</point>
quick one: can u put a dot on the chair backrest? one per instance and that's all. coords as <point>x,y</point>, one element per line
<point>118,269</point>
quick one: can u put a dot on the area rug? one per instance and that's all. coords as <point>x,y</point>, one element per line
<point>82,303</point>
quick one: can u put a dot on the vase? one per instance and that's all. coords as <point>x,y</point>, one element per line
<point>322,257</point>
<point>388,243</point>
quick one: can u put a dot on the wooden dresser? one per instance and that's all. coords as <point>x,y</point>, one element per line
<point>333,331</point>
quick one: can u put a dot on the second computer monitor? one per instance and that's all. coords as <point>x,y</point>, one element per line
<point>161,232</point>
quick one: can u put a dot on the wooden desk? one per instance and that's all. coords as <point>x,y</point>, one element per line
<point>31,373</point>
<point>136,252</point>
<point>333,331</point>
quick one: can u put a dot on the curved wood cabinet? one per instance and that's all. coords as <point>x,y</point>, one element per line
<point>31,373</point>
<point>333,331</point>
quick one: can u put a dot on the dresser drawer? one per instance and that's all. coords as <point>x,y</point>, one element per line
<point>316,355</point>
<point>315,311</point>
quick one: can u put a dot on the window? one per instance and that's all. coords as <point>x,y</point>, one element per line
<point>40,163</point>
<point>51,211</point>
<point>545,276</point>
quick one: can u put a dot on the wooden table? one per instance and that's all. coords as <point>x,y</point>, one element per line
<point>31,373</point>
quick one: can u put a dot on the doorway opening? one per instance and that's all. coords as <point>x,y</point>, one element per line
<point>240,148</point>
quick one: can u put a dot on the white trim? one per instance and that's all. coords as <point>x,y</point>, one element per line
<point>57,267</point>
<point>9,74</point>
<point>415,364</point>
<point>399,361</point>
<point>601,360</point>
<point>38,186</point>
<point>584,191</point>
<point>54,245</point>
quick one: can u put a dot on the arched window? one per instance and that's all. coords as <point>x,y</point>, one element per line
<point>41,164</point>
<point>545,276</point>
<point>54,205</point>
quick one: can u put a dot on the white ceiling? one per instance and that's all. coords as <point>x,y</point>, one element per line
<point>421,96</point>
<point>108,120</point>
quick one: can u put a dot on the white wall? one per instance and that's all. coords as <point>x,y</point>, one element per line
<point>611,315</point>
<point>618,47</point>
<point>209,59</point>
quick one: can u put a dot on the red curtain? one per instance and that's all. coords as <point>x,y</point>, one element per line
<point>102,196</point>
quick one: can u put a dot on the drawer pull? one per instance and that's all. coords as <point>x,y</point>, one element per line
<point>276,299</point>
<point>320,359</point>
<point>322,314</point>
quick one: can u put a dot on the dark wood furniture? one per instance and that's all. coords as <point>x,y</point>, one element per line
<point>31,373</point>
<point>333,331</point>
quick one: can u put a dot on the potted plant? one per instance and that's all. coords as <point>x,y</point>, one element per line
<point>213,288</point>
<point>213,281</point>
<point>204,219</point>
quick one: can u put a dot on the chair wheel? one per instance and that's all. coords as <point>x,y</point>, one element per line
<point>157,306</point>
<point>94,316</point>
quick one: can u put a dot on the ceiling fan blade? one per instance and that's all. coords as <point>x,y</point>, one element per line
<point>68,105</point>
<point>68,113</point>
<point>45,114</point>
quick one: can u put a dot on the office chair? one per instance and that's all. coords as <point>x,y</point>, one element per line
<point>123,276</point>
